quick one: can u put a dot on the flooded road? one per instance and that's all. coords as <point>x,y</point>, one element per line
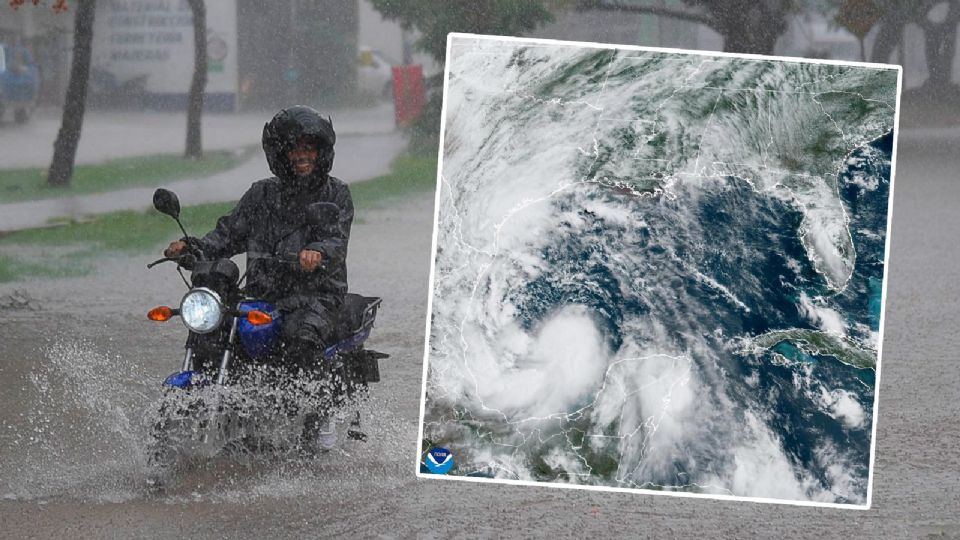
<point>82,370</point>
<point>80,365</point>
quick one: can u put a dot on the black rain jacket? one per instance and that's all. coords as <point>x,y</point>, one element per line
<point>270,220</point>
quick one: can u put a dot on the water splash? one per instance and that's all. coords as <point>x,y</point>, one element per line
<point>80,437</point>
<point>88,435</point>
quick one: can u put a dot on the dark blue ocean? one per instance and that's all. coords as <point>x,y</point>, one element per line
<point>714,264</point>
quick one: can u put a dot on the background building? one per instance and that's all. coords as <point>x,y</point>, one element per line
<point>301,51</point>
<point>266,54</point>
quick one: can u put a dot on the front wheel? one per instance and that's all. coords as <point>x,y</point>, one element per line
<point>172,426</point>
<point>161,456</point>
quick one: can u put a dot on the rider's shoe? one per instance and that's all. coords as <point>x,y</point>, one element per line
<point>319,433</point>
<point>327,435</point>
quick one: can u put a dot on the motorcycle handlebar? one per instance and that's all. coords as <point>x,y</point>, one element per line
<point>187,260</point>
<point>158,261</point>
<point>290,258</point>
<point>193,247</point>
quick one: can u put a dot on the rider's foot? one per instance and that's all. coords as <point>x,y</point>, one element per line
<point>319,433</point>
<point>327,435</point>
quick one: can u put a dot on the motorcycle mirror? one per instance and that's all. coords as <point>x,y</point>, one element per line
<point>322,213</point>
<point>166,202</point>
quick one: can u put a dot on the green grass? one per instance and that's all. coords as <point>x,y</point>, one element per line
<point>139,232</point>
<point>31,184</point>
<point>13,269</point>
<point>409,175</point>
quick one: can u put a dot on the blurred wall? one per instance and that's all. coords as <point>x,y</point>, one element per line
<point>300,51</point>
<point>143,55</point>
<point>295,51</point>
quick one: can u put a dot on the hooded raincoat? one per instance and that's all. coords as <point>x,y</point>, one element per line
<point>271,221</point>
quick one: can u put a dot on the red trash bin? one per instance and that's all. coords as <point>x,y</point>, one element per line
<point>409,94</point>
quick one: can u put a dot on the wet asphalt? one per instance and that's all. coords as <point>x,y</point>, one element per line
<point>87,485</point>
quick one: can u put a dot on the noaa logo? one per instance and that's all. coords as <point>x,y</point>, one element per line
<point>439,461</point>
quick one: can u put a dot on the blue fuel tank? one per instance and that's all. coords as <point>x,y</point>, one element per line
<point>259,341</point>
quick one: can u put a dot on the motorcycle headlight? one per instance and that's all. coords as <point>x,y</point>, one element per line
<point>201,310</point>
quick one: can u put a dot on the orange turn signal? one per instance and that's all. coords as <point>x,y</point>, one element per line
<point>257,317</point>
<point>162,313</point>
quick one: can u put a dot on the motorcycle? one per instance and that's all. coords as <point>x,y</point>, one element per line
<point>234,343</point>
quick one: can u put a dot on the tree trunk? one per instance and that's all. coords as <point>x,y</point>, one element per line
<point>746,41</point>
<point>199,82</point>
<point>65,147</point>
<point>940,44</point>
<point>888,38</point>
<point>748,27</point>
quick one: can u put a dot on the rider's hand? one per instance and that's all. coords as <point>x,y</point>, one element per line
<point>309,260</point>
<point>175,248</point>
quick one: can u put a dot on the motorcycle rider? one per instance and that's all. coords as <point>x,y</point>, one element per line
<point>270,220</point>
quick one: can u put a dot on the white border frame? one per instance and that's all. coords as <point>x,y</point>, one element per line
<point>883,293</point>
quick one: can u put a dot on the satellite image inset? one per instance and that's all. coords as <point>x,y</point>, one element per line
<point>659,270</point>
